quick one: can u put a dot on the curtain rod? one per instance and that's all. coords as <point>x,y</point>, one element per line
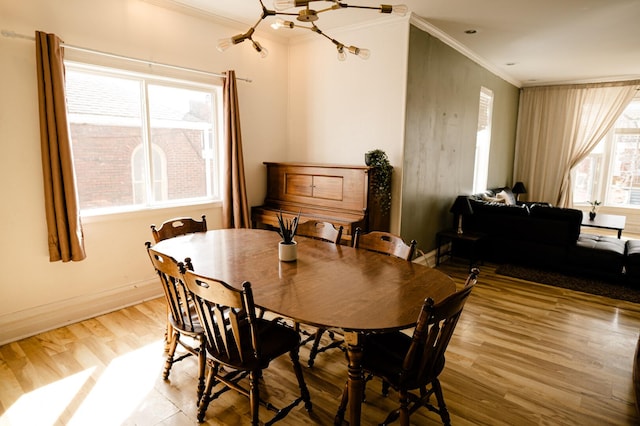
<point>13,34</point>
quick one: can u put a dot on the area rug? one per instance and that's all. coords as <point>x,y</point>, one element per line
<point>584,284</point>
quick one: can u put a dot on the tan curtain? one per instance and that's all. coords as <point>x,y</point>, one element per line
<point>235,208</point>
<point>558,126</point>
<point>66,241</point>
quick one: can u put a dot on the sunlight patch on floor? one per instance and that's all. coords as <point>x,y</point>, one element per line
<point>120,389</point>
<point>103,396</point>
<point>44,405</point>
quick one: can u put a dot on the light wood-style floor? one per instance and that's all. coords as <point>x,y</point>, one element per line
<point>523,354</point>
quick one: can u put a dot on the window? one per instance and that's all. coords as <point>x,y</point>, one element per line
<point>611,172</point>
<point>483,141</point>
<point>141,141</point>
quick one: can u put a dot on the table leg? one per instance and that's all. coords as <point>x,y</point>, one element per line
<point>355,380</point>
<point>619,233</point>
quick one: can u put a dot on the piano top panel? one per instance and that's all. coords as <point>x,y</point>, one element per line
<point>333,187</point>
<point>315,165</point>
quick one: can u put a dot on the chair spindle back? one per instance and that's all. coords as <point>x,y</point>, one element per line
<point>178,226</point>
<point>228,317</point>
<point>178,297</point>
<point>385,243</point>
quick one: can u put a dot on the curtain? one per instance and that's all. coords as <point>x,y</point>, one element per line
<point>235,208</point>
<point>66,240</point>
<point>558,126</point>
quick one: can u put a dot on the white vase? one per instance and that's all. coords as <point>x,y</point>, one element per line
<point>287,252</point>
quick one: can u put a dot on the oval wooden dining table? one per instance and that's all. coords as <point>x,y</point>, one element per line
<point>329,286</point>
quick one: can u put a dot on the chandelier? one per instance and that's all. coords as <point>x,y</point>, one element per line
<point>308,16</point>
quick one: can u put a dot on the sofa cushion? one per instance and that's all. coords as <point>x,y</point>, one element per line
<point>555,224</point>
<point>498,220</point>
<point>632,262</point>
<point>633,248</point>
<point>598,252</point>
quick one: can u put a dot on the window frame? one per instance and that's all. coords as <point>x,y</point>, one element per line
<point>483,141</point>
<point>601,178</point>
<point>188,81</point>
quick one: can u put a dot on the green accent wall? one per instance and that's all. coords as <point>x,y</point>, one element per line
<point>443,95</point>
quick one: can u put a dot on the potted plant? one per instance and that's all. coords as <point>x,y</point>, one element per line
<point>287,248</point>
<point>594,205</point>
<point>378,160</point>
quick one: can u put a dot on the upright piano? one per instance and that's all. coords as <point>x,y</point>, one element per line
<point>339,194</point>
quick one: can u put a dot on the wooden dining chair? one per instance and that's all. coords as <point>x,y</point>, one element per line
<point>324,231</point>
<point>185,328</point>
<point>242,343</point>
<point>178,226</point>
<point>414,363</point>
<point>385,243</point>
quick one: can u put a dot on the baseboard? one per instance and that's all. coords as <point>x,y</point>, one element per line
<point>29,322</point>
<point>427,259</point>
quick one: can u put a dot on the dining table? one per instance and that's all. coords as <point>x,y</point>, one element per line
<point>330,286</point>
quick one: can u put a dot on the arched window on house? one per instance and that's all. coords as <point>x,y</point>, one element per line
<point>158,172</point>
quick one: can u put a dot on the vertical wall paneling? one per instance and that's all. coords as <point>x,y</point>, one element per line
<point>443,92</point>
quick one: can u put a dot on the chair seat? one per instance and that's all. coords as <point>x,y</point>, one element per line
<point>384,354</point>
<point>275,340</point>
<point>188,325</point>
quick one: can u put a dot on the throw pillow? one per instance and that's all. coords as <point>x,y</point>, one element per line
<point>489,199</point>
<point>507,198</point>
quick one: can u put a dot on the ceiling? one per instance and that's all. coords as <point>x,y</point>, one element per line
<point>530,42</point>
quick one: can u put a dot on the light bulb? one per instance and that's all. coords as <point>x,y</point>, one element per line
<point>364,53</point>
<point>261,50</point>
<point>399,9</point>
<point>281,23</point>
<point>361,53</point>
<point>342,55</point>
<point>224,44</point>
<point>283,4</point>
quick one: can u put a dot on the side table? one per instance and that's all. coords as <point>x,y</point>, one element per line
<point>473,239</point>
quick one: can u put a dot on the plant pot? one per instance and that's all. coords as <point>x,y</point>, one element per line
<point>287,252</point>
<point>592,215</point>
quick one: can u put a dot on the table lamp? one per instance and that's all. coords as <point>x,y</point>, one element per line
<point>461,207</point>
<point>518,189</point>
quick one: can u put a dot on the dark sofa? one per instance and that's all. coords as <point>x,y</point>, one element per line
<point>540,235</point>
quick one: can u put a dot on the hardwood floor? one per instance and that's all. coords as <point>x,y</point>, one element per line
<point>523,354</point>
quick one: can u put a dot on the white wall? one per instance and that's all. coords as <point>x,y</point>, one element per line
<point>36,294</point>
<point>303,105</point>
<point>340,110</point>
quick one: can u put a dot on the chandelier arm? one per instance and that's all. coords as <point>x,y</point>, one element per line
<point>349,6</point>
<point>334,7</point>
<point>284,13</point>
<point>253,28</point>
<point>317,30</point>
<point>398,9</point>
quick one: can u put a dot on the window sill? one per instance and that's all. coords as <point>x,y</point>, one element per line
<point>168,211</point>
